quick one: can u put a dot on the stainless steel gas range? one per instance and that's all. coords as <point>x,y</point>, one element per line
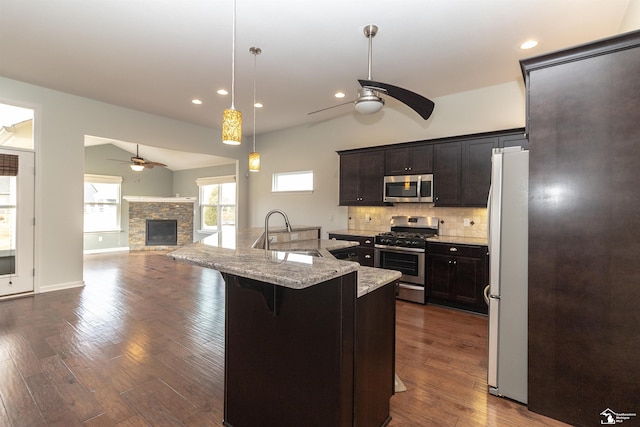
<point>404,249</point>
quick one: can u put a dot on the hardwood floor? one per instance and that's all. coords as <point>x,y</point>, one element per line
<point>143,344</point>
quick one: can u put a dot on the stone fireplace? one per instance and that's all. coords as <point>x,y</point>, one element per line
<point>160,212</point>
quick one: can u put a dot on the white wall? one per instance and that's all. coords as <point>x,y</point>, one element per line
<point>631,19</point>
<point>314,147</point>
<point>61,122</point>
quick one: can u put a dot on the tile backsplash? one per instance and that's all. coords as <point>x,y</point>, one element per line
<point>452,220</point>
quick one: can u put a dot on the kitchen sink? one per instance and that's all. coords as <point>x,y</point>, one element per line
<point>308,252</point>
<point>259,244</point>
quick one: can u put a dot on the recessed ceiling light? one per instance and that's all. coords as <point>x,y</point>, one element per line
<point>196,101</point>
<point>339,95</point>
<point>529,44</point>
<point>258,105</point>
<point>222,92</point>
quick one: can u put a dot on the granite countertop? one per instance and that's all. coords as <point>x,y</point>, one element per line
<point>360,233</point>
<point>281,265</point>
<point>478,241</point>
<point>443,239</point>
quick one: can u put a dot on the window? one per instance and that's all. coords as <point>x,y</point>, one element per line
<point>217,203</point>
<point>101,203</point>
<point>292,181</point>
<point>16,127</point>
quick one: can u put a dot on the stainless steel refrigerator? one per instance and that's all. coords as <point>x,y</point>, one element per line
<point>506,294</point>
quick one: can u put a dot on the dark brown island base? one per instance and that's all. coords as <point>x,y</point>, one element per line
<point>309,341</point>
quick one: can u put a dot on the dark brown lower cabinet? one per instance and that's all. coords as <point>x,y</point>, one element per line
<point>311,357</point>
<point>365,250</point>
<point>457,275</point>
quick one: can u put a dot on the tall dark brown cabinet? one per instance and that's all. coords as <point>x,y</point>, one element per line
<point>583,121</point>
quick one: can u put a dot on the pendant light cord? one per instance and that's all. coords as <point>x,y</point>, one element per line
<point>255,52</point>
<point>233,58</point>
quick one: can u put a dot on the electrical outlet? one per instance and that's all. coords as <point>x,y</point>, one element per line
<point>367,218</point>
<point>273,239</point>
<point>294,236</point>
<point>467,222</point>
<point>99,238</point>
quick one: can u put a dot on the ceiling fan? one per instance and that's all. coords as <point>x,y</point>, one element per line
<point>138,164</point>
<point>369,100</point>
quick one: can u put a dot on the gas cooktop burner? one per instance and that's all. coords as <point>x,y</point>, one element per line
<point>409,232</point>
<point>406,235</point>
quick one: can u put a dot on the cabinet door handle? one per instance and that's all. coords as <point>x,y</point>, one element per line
<point>367,241</point>
<point>367,256</point>
<point>453,249</point>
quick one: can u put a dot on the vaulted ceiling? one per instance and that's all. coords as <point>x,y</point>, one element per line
<point>156,56</point>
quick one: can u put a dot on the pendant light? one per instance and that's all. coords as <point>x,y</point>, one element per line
<point>232,118</point>
<point>254,156</point>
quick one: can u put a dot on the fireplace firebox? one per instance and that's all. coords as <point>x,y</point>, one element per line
<point>161,232</point>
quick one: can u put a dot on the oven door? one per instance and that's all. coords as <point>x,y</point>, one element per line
<point>411,263</point>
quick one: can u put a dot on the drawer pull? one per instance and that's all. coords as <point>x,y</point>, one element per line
<point>453,249</point>
<point>367,241</point>
<point>367,256</point>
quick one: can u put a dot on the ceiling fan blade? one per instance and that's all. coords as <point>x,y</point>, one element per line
<point>418,103</point>
<point>333,106</point>
<point>152,164</point>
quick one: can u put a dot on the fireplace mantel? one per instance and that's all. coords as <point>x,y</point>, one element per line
<point>158,199</point>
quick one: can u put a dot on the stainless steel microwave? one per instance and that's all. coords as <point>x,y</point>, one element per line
<point>408,189</point>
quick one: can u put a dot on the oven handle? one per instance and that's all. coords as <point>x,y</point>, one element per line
<point>399,249</point>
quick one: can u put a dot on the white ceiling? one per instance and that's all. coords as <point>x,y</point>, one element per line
<point>156,56</point>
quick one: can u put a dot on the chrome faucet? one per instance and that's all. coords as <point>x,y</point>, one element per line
<point>266,225</point>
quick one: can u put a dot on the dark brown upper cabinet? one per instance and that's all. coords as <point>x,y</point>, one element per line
<point>414,160</point>
<point>476,170</point>
<point>462,174</point>
<point>447,174</point>
<point>361,178</point>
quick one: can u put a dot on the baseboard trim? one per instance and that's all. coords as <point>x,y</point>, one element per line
<point>60,286</point>
<point>105,250</point>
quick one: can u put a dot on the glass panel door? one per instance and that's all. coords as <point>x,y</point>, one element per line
<point>16,221</point>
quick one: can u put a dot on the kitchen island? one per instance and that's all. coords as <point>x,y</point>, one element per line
<point>309,340</point>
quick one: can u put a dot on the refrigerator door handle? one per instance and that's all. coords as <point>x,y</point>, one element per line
<point>487,295</point>
<point>489,219</point>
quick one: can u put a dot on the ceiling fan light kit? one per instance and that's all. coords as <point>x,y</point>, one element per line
<point>232,118</point>
<point>137,163</point>
<point>368,102</point>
